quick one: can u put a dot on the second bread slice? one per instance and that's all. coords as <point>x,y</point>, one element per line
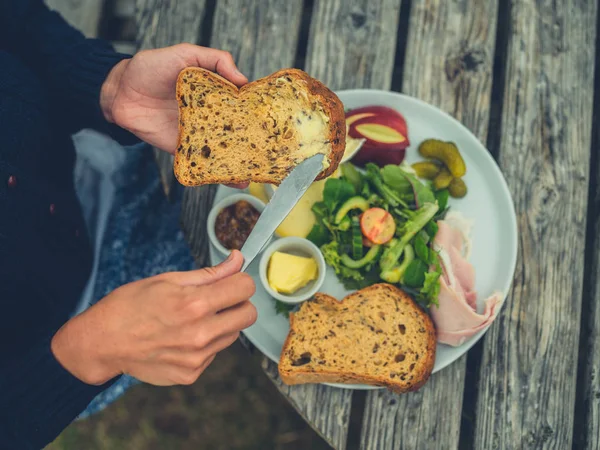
<point>377,336</point>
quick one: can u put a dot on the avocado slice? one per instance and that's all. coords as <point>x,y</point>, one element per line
<point>350,204</point>
<point>369,257</point>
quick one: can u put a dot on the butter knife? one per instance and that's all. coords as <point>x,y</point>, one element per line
<point>285,197</point>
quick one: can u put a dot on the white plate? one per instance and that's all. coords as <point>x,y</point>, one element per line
<point>488,203</point>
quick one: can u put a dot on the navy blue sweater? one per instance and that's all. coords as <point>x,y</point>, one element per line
<point>50,80</point>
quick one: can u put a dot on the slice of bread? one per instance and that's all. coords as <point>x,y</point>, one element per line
<point>377,336</point>
<point>257,133</point>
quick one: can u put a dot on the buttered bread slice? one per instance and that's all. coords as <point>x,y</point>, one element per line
<point>376,336</point>
<point>257,133</point>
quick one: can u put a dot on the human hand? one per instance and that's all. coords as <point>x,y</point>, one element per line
<point>163,330</point>
<point>139,93</point>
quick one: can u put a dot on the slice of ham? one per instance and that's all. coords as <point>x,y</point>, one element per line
<point>456,318</point>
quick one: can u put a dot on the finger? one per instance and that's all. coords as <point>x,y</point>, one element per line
<point>223,294</point>
<point>208,275</point>
<point>234,319</point>
<point>194,358</point>
<point>212,59</point>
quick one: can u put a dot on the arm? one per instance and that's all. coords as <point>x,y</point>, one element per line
<point>72,67</point>
<point>164,330</point>
<point>39,398</point>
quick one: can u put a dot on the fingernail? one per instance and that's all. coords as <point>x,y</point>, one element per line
<point>229,258</point>
<point>237,72</point>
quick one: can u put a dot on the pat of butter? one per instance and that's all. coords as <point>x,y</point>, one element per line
<point>288,273</point>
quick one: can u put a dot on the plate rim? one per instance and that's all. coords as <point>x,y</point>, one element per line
<point>513,220</point>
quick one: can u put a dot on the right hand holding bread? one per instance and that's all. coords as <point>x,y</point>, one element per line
<point>162,330</point>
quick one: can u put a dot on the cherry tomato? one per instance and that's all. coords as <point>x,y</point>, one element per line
<point>377,225</point>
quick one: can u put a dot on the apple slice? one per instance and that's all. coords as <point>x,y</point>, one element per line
<point>380,156</point>
<point>380,131</point>
<point>385,132</point>
<point>353,118</point>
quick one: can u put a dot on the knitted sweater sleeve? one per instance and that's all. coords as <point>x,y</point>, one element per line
<point>71,66</point>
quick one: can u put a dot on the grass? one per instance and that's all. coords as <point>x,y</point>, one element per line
<point>232,406</point>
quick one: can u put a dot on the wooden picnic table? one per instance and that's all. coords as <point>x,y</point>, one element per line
<point>520,75</point>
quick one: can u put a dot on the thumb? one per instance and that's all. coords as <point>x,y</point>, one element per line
<point>209,275</point>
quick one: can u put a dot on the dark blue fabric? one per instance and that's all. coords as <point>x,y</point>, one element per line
<point>50,80</point>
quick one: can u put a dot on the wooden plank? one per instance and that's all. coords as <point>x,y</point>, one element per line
<point>262,44</point>
<point>449,63</point>
<point>591,389</point>
<point>160,24</point>
<point>124,9</point>
<point>84,15</point>
<point>326,409</point>
<point>352,44</point>
<point>528,373</point>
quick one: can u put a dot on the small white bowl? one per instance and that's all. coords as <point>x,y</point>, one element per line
<point>299,247</point>
<point>218,207</point>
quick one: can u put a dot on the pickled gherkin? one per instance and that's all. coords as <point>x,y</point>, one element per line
<point>427,169</point>
<point>457,188</point>
<point>447,153</point>
<point>442,180</point>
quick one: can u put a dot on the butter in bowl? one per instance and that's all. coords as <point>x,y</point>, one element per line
<point>292,269</point>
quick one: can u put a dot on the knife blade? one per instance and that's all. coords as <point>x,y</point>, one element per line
<point>285,197</point>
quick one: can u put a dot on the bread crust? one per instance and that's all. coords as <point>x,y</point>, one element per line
<point>299,376</point>
<point>326,98</point>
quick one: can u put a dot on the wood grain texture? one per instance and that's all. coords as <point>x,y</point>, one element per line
<point>325,408</point>
<point>592,369</point>
<point>165,22</point>
<point>162,23</point>
<point>264,42</point>
<point>528,372</point>
<point>260,44</point>
<point>449,62</point>
<point>261,36</point>
<point>352,43</point>
<point>124,9</point>
<point>85,15</point>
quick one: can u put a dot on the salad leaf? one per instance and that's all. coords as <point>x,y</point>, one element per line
<point>421,249</point>
<point>283,308</point>
<point>319,234</point>
<point>431,228</point>
<point>388,194</point>
<point>415,273</point>
<point>335,192</point>
<point>394,178</point>
<point>416,223</point>
<point>442,198</point>
<point>422,193</point>
<point>352,175</point>
<point>370,277</point>
<point>431,287</point>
